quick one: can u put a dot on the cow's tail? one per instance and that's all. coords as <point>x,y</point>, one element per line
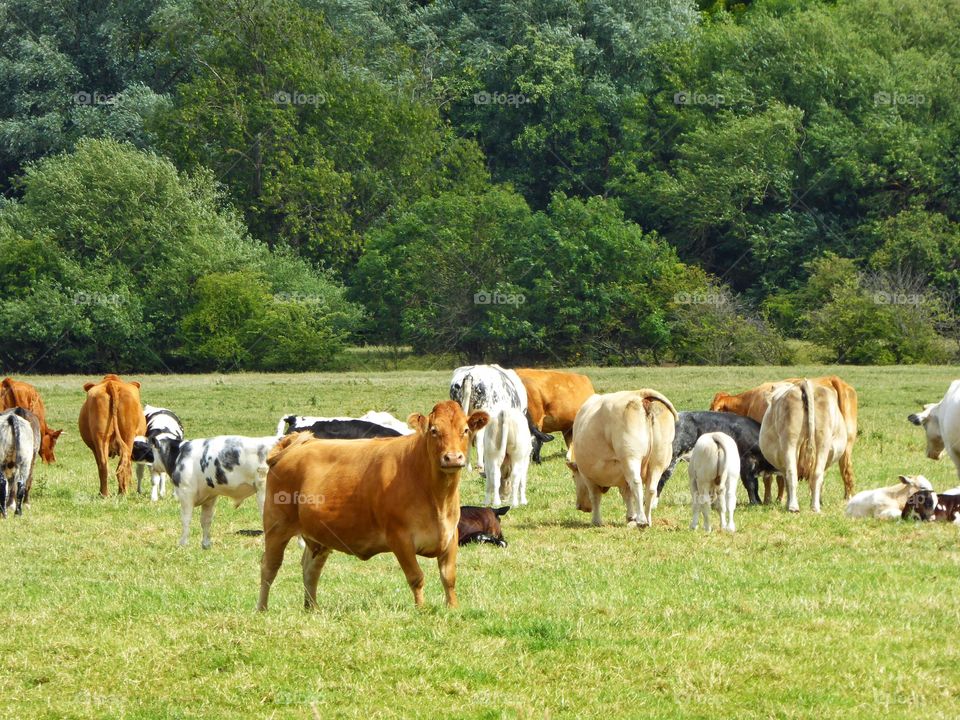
<point>504,434</point>
<point>288,441</point>
<point>721,461</point>
<point>808,450</point>
<point>466,395</point>
<point>114,429</point>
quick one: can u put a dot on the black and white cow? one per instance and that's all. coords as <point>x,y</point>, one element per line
<point>161,423</point>
<point>205,469</point>
<point>745,433</point>
<point>492,388</point>
<point>19,449</point>
<point>370,425</point>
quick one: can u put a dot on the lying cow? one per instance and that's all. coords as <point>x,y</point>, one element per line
<point>745,433</point>
<point>622,440</point>
<point>553,399</point>
<point>941,422</point>
<point>110,418</point>
<point>161,423</point>
<point>928,505</point>
<point>347,429</point>
<point>365,497</point>
<point>481,525</point>
<point>204,469</point>
<point>753,404</point>
<point>491,388</point>
<point>714,469</point>
<point>507,449</point>
<point>19,448</point>
<point>802,434</point>
<point>886,503</point>
<point>13,394</point>
<point>298,423</point>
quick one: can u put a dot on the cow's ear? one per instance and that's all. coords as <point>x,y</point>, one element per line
<point>55,433</point>
<point>500,512</point>
<point>135,384</point>
<point>417,421</point>
<point>905,480</point>
<point>477,420</point>
<point>87,386</point>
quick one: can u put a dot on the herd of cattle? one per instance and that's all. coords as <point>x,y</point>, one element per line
<point>375,484</point>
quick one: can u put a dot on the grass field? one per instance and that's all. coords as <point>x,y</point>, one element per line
<point>794,616</point>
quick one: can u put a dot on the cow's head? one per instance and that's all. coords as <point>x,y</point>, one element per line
<point>448,431</point>
<point>47,443</point>
<point>721,402</point>
<point>167,450</point>
<point>922,504</point>
<point>930,422</point>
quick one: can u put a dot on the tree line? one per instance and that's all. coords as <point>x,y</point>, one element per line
<point>256,184</point>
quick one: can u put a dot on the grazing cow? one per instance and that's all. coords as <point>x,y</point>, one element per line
<point>622,440</point>
<point>507,448</point>
<point>18,454</point>
<point>161,423</point>
<point>802,434</point>
<point>928,505</point>
<point>714,469</point>
<point>110,419</point>
<point>753,404</point>
<point>365,497</point>
<point>481,525</point>
<point>886,503</point>
<point>298,423</point>
<point>205,469</point>
<point>491,388</point>
<point>347,430</point>
<point>745,433</point>
<point>553,399</point>
<point>20,394</point>
<point>941,422</point>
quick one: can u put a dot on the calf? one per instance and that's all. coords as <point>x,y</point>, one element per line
<point>298,423</point>
<point>347,430</point>
<point>161,423</point>
<point>886,503</point>
<point>18,454</point>
<point>481,525</point>
<point>928,505</point>
<point>507,448</point>
<point>205,469</point>
<point>745,433</point>
<point>365,497</point>
<point>714,469</point>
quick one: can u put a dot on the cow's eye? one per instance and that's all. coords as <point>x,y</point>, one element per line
<point>466,431</point>
<point>433,430</point>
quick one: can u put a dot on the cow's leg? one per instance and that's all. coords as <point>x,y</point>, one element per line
<point>749,479</point>
<point>479,440</point>
<point>124,472</point>
<point>767,484</point>
<point>3,495</point>
<point>793,504</point>
<point>667,474</point>
<point>21,492</point>
<point>629,503</point>
<point>312,562</point>
<point>520,471</point>
<point>492,495</point>
<point>186,513</point>
<point>846,471</point>
<point>402,547</point>
<point>261,486</point>
<point>275,539</point>
<point>816,485</point>
<point>156,485</point>
<point>101,456</point>
<point>595,496</point>
<point>781,488</point>
<point>447,562</point>
<point>731,504</point>
<point>634,477</point>
<point>206,520</point>
<point>694,504</point>
<point>140,467</point>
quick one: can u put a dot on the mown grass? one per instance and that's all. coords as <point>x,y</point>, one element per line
<point>794,616</point>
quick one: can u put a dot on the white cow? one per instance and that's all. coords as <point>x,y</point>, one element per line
<point>802,434</point>
<point>622,440</point>
<point>714,474</point>
<point>295,423</point>
<point>508,445</point>
<point>205,469</point>
<point>490,388</point>
<point>941,421</point>
<point>161,423</point>
<point>886,503</point>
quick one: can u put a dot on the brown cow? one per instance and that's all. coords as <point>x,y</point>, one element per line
<point>365,497</point>
<point>553,399</point>
<point>110,418</point>
<point>481,525</point>
<point>14,393</point>
<point>753,404</point>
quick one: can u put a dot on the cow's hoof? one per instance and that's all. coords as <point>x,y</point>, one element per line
<point>206,546</point>
<point>793,509</point>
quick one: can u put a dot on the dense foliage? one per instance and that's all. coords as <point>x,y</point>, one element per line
<point>195,184</point>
